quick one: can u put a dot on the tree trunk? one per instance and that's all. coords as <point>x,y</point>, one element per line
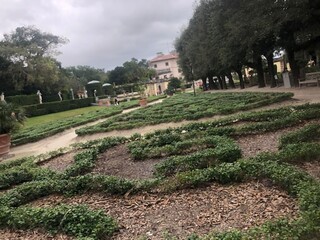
<point>271,70</point>
<point>238,71</point>
<point>231,82</point>
<point>204,84</point>
<point>224,83</point>
<point>220,82</point>
<point>216,83</point>
<point>294,67</point>
<point>211,82</point>
<point>259,68</point>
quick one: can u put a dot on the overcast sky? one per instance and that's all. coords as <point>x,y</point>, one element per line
<point>102,33</point>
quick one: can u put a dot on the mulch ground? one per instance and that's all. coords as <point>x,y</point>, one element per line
<point>184,212</point>
<point>181,213</point>
<point>117,161</point>
<point>6,234</point>
<point>60,163</point>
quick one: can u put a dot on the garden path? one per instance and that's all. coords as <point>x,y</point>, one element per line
<point>64,139</point>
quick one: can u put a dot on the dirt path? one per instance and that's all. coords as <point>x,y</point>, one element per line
<point>64,139</point>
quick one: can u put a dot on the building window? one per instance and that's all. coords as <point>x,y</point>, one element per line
<point>155,66</point>
<point>167,64</point>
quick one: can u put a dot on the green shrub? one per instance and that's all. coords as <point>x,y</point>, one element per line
<point>186,107</point>
<point>23,100</point>
<point>307,134</point>
<point>225,150</point>
<point>78,221</point>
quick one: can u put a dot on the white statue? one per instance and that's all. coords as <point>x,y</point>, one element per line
<point>60,95</point>
<point>40,96</point>
<point>2,97</point>
<point>72,95</point>
<point>85,93</point>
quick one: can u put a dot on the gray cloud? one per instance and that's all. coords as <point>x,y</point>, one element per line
<point>102,33</point>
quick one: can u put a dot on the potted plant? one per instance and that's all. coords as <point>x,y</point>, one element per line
<point>143,96</point>
<point>11,119</point>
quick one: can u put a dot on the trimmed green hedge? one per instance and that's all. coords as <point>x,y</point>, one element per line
<point>23,100</point>
<point>187,107</point>
<point>307,134</point>
<point>54,107</point>
<point>78,221</point>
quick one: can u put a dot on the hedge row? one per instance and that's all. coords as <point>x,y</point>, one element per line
<point>187,107</point>
<point>41,131</point>
<point>253,123</point>
<point>23,100</point>
<point>54,107</point>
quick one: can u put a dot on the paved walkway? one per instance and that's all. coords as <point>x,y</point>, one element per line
<point>64,139</point>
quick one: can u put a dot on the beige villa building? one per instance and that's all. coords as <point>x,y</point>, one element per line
<point>166,66</point>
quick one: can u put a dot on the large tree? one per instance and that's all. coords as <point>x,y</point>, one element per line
<point>225,35</point>
<point>28,57</point>
<point>131,72</point>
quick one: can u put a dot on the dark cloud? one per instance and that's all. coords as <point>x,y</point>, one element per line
<point>102,33</point>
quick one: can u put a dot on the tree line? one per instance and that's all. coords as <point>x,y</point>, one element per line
<point>224,36</point>
<point>28,63</point>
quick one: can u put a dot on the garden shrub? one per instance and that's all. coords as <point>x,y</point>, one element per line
<point>78,221</point>
<point>225,150</point>
<point>307,134</point>
<point>185,107</point>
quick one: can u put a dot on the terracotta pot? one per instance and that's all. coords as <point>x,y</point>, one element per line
<point>5,142</point>
<point>143,102</point>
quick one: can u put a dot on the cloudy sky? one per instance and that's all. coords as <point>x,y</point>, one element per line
<point>102,33</point>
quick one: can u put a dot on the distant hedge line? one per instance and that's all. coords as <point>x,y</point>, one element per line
<point>25,100</point>
<point>54,107</point>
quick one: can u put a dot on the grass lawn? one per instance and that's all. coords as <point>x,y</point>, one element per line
<point>34,121</point>
<point>37,128</point>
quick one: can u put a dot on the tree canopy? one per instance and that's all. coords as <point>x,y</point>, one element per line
<point>225,35</point>
<point>27,62</point>
<point>133,71</point>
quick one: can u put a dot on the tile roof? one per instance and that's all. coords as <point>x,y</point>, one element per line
<point>164,57</point>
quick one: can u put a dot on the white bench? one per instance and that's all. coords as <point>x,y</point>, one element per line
<point>311,78</point>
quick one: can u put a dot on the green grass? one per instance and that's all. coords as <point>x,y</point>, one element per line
<point>44,126</point>
<point>34,121</point>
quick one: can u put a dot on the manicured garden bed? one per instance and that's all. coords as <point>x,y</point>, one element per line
<point>198,183</point>
<point>46,129</point>
<point>187,107</point>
